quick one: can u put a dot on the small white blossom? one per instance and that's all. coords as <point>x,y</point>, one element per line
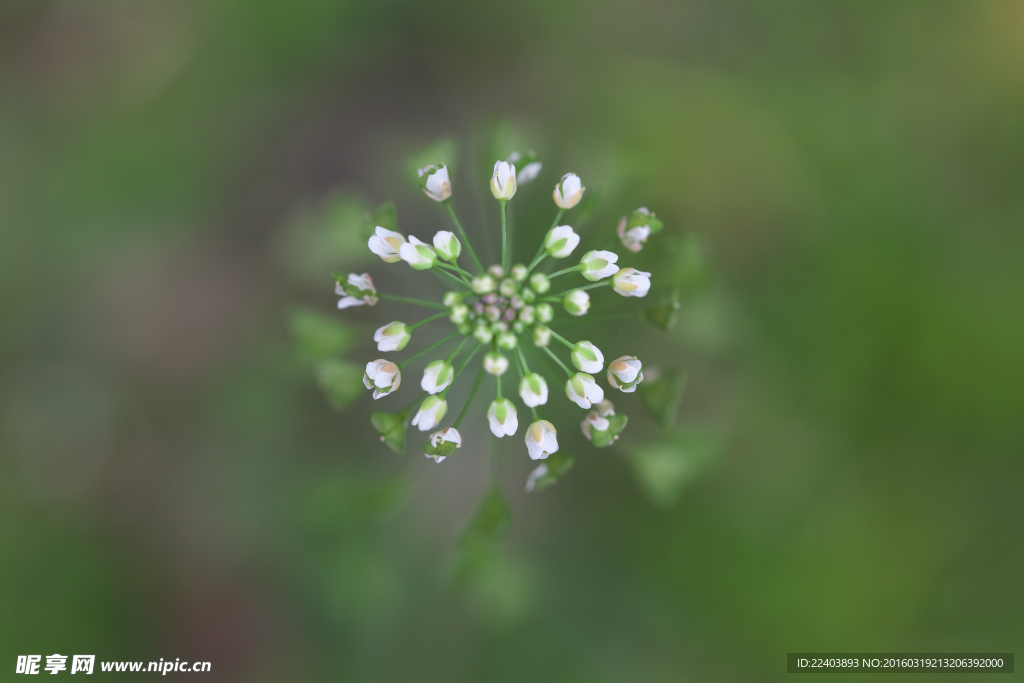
<point>483,334</point>
<point>587,357</point>
<point>437,376</point>
<point>605,408</point>
<point>568,191</point>
<point>576,302</point>
<point>357,290</point>
<point>528,172</point>
<point>541,336</point>
<point>450,435</point>
<point>518,272</point>
<point>538,472</point>
<point>417,254</point>
<point>560,241</point>
<point>583,390</point>
<point>392,337</point>
<point>459,314</point>
<point>545,312</point>
<point>507,340</point>
<point>625,373</point>
<point>502,417</point>
<point>503,182</point>
<point>430,414</point>
<point>594,421</point>
<point>540,283</point>
<point>383,377</point>
<point>482,284</point>
<point>597,264</point>
<point>541,439</point>
<point>435,183</point>
<point>447,245</point>
<point>533,390</point>
<point>495,363</point>
<point>452,298</point>
<point>386,244</point>
<point>632,282</point>
<point>633,238</point>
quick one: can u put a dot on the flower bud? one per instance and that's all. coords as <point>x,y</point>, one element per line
<point>568,191</point>
<point>442,443</point>
<point>447,245</point>
<point>545,312</point>
<point>482,284</point>
<point>594,423</point>
<point>518,327</point>
<point>508,287</point>
<point>392,337</point>
<point>605,408</point>
<point>598,265</point>
<point>459,313</point>
<point>418,254</point>
<point>541,439</point>
<point>452,298</point>
<point>528,295</point>
<point>576,302</point>
<point>464,327</point>
<point>503,182</point>
<point>386,244</point>
<point>383,377</point>
<point>437,376</point>
<point>506,340</point>
<point>430,414</point>
<point>502,417</point>
<point>527,314</point>
<point>527,166</point>
<point>583,390</point>
<point>518,272</point>
<point>635,228</point>
<point>587,357</point>
<point>560,241</point>
<point>483,334</point>
<point>434,182</point>
<point>541,336</point>
<point>625,373</point>
<point>540,283</point>
<point>533,390</point>
<point>358,290</point>
<point>492,313</point>
<point>495,363</point>
<point>631,282</point>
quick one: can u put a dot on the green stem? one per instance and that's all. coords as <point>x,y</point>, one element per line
<point>427,350</point>
<point>537,259</point>
<point>452,277</point>
<point>603,283</point>
<point>472,394</point>
<point>520,358</point>
<point>536,417</point>
<point>558,217</point>
<point>504,237</point>
<point>460,271</point>
<point>410,328</point>
<point>407,300</point>
<point>565,270</point>
<point>498,377</point>
<point>408,409</point>
<point>456,351</point>
<point>561,339</point>
<point>462,234</point>
<point>459,371</point>
<point>552,354</point>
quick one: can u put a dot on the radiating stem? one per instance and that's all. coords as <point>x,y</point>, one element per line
<point>461,368</point>
<point>603,283</point>
<point>561,339</point>
<point>451,277</point>
<point>565,270</point>
<point>504,237</point>
<point>456,351</point>
<point>472,394</point>
<point>410,328</point>
<point>407,300</point>
<point>564,367</point>
<point>462,234</point>
<point>428,349</point>
<point>466,276</point>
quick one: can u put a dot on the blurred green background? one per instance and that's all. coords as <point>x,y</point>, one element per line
<point>177,182</point>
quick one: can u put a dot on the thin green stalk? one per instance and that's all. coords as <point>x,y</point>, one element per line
<point>565,270</point>
<point>472,394</point>
<point>457,349</point>
<point>408,408</point>
<point>459,371</point>
<point>602,283</point>
<point>561,339</point>
<point>552,354</point>
<point>452,277</point>
<point>462,234</point>
<point>504,237</point>
<point>407,300</point>
<point>428,350</point>
<point>537,259</point>
<point>410,328</point>
<point>465,275</point>
<point>498,377</point>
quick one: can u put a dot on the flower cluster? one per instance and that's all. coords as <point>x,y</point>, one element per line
<point>503,310</point>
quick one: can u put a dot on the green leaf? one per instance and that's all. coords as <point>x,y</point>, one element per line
<point>489,523</point>
<point>664,468</point>
<point>661,395</point>
<point>391,427</point>
<point>558,464</point>
<point>443,151</point>
<point>341,381</point>
<point>318,336</point>
<point>664,315</point>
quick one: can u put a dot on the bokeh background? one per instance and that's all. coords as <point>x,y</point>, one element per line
<point>842,188</point>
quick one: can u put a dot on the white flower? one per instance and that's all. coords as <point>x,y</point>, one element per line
<point>386,244</point>
<point>541,439</point>
<point>538,472</point>
<point>576,302</point>
<point>482,284</point>
<point>625,373</point>
<point>587,357</point>
<point>631,282</point>
<point>450,435</point>
<point>503,182</point>
<point>358,290</point>
<point>507,340</point>
<point>583,390</point>
<point>452,298</point>
<point>540,283</point>
<point>392,337</point>
<point>431,413</point>
<point>568,191</point>
<point>560,241</point>
<point>503,418</point>
<point>596,264</point>
<point>633,238</point>
<point>437,376</point>
<point>545,313</point>
<point>495,363</point>
<point>593,421</point>
<point>541,336</point>
<point>459,314</point>
<point>483,334</point>
<point>533,390</point>
<point>417,254</point>
<point>435,183</point>
<point>447,245</point>
<point>383,377</point>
